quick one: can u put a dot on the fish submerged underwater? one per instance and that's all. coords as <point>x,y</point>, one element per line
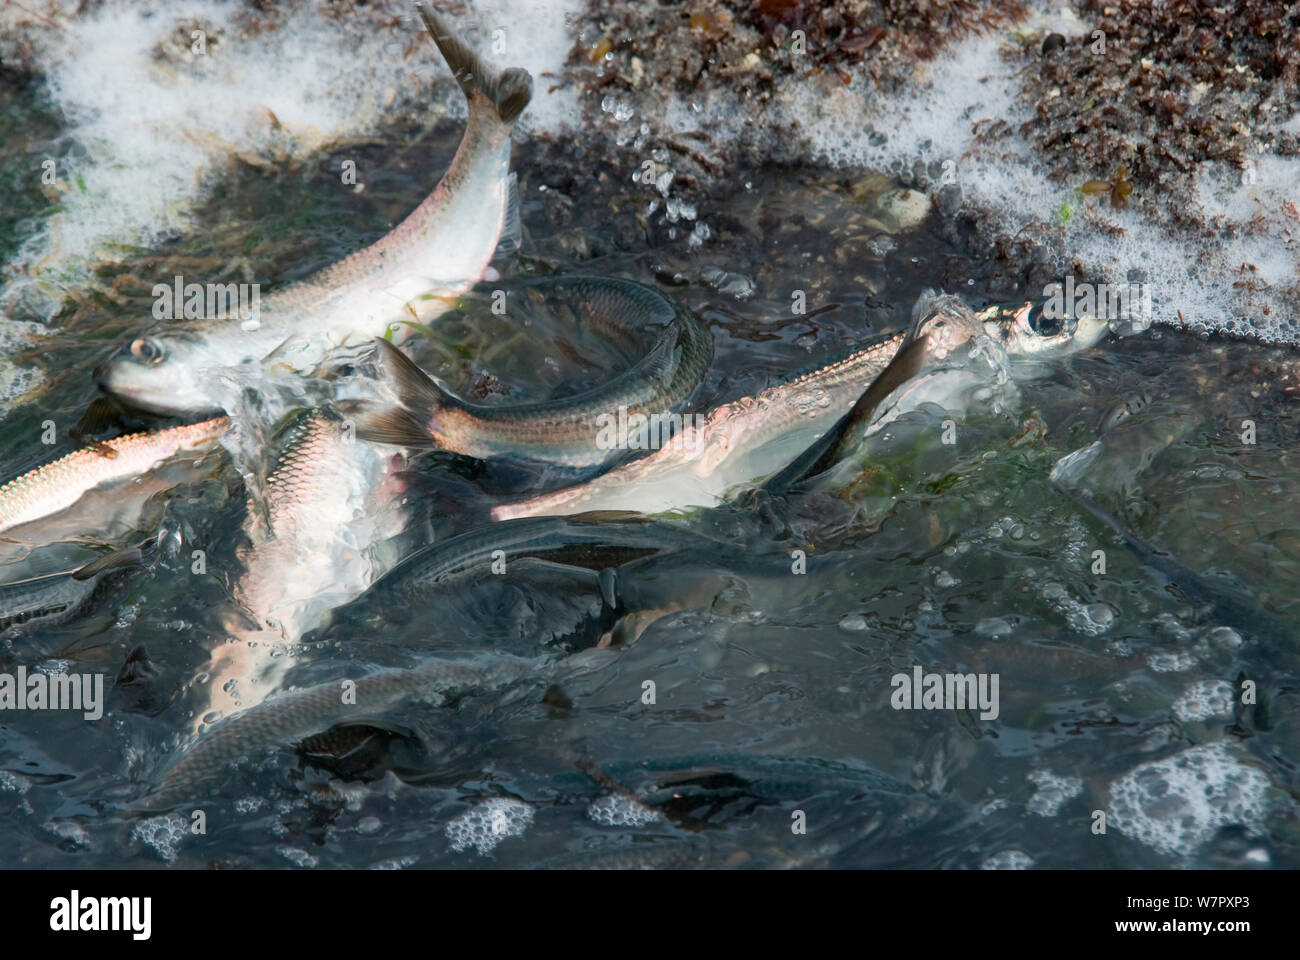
<point>544,529</point>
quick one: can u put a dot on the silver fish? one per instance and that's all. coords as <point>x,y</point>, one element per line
<point>314,542</point>
<point>565,431</point>
<point>439,251</point>
<point>291,717</point>
<point>58,598</point>
<point>753,437</point>
<point>58,485</point>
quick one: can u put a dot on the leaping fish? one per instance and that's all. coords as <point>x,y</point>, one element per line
<point>437,253</point>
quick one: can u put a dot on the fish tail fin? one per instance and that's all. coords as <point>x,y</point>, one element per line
<point>420,398</point>
<point>508,91</point>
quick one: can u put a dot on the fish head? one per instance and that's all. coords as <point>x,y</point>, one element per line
<point>157,374</point>
<point>1035,333</point>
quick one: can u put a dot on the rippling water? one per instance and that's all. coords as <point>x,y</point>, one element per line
<point>1120,691</point>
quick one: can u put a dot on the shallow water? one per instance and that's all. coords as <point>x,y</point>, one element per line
<point>772,689</point>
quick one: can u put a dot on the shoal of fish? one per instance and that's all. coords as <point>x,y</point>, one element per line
<point>328,502</point>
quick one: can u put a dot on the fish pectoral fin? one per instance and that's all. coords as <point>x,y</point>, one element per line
<point>395,425</point>
<point>118,559</point>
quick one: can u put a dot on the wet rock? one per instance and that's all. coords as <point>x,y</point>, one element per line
<point>558,207</point>
<point>948,201</point>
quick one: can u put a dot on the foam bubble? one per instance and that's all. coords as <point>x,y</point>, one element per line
<point>1175,805</point>
<point>616,810</point>
<point>1053,792</point>
<point>1203,700</point>
<point>14,782</point>
<point>163,834</point>
<point>1008,860</point>
<point>488,824</point>
<point>299,858</point>
<point>1171,662</point>
<point>394,863</point>
<point>69,830</point>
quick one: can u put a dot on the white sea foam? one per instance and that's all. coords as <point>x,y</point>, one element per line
<point>1192,280</point>
<point>154,132</point>
<point>971,85</point>
<point>615,810</point>
<point>1052,792</point>
<point>1205,700</point>
<point>1175,805</point>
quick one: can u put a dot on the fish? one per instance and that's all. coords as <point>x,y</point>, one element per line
<point>59,598</point>
<point>293,717</point>
<point>1216,603</point>
<point>58,485</point>
<point>749,439</point>
<point>315,540</point>
<point>574,558</point>
<point>736,442</point>
<point>438,252</point>
<point>571,431</point>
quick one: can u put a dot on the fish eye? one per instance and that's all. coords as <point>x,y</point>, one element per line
<point>1045,324</point>
<point>147,350</point>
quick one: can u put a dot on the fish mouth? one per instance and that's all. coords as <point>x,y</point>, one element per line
<point>114,378</point>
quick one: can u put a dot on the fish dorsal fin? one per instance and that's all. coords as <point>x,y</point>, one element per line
<point>415,388</point>
<point>827,450</point>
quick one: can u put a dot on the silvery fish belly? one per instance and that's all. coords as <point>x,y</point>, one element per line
<point>439,251</point>
<point>314,541</point>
